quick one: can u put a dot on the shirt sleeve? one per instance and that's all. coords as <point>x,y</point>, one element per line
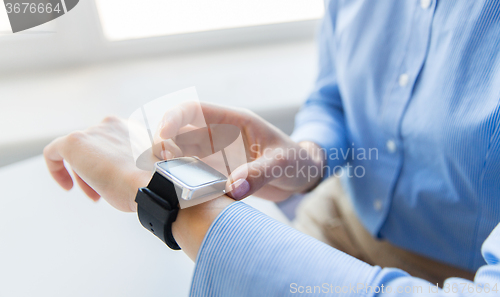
<point>321,118</point>
<point>394,282</point>
<point>246,253</point>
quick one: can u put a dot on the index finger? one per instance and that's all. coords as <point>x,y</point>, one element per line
<point>187,113</point>
<point>198,114</point>
<point>55,164</point>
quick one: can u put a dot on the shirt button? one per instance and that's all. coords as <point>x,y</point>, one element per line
<point>377,204</point>
<point>425,3</point>
<point>403,80</point>
<point>391,146</point>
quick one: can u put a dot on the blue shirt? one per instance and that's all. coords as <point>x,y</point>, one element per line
<point>417,84</point>
<point>246,253</point>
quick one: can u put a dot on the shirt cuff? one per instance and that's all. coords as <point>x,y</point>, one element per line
<point>246,253</point>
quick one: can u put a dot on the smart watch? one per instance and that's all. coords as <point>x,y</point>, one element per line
<point>177,183</point>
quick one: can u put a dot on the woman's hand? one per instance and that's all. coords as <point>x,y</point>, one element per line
<point>102,163</point>
<point>103,166</point>
<point>278,166</point>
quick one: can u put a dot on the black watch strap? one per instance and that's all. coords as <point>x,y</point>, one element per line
<point>157,208</point>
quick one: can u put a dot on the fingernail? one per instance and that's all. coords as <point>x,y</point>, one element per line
<point>166,155</point>
<point>240,189</point>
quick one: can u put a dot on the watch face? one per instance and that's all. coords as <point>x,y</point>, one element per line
<point>191,171</point>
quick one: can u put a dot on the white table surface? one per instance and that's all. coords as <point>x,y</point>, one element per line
<point>57,243</point>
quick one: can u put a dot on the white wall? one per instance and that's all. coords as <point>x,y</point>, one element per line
<point>272,79</point>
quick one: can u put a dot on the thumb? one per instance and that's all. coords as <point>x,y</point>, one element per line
<point>249,178</point>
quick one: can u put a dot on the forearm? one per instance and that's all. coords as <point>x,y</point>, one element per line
<point>192,224</point>
<point>321,119</point>
<point>246,253</point>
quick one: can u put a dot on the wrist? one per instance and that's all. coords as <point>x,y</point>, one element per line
<point>192,224</point>
<point>316,158</point>
<point>138,180</point>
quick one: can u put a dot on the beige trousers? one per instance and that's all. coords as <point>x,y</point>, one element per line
<point>327,214</point>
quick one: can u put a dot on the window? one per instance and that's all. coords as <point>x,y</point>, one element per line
<point>131,19</point>
<point>91,30</point>
<point>4,22</point>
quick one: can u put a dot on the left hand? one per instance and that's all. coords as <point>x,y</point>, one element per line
<point>102,163</point>
<point>103,166</point>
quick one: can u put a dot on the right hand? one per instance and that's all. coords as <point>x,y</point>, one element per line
<point>267,147</point>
